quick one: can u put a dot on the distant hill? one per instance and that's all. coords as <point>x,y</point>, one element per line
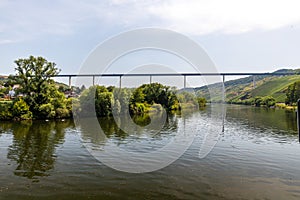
<point>243,88</point>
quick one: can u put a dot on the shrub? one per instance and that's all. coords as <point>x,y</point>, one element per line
<point>137,108</point>
<point>5,110</point>
<point>20,110</point>
<point>201,102</point>
<point>46,111</point>
<point>62,113</point>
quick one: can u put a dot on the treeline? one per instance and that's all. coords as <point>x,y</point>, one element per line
<point>38,97</point>
<point>146,98</point>
<point>292,96</point>
<point>293,93</point>
<point>267,101</point>
<point>104,100</point>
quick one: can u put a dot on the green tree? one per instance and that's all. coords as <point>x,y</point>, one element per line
<point>137,96</point>
<point>201,102</point>
<point>158,93</point>
<point>258,101</point>
<point>269,101</point>
<point>293,93</point>
<point>96,97</point>
<point>34,77</point>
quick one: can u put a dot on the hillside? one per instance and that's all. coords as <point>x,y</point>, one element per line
<point>243,88</point>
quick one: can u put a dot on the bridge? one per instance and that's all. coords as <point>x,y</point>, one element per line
<point>184,75</point>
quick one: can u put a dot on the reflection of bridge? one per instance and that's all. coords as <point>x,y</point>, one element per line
<point>185,75</point>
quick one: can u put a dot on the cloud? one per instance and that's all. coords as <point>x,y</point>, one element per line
<point>230,16</point>
<point>22,21</point>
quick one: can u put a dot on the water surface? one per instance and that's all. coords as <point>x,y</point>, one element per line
<point>257,157</point>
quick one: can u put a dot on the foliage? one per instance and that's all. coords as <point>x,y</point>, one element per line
<point>137,108</point>
<point>42,98</point>
<point>46,111</point>
<point>241,89</point>
<point>201,102</point>
<point>148,97</point>
<point>33,75</point>
<point>96,97</point>
<point>5,110</point>
<point>123,96</point>
<point>160,94</point>
<point>20,110</point>
<point>293,93</point>
<point>104,102</point>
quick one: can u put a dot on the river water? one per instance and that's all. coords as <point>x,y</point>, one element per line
<point>256,157</point>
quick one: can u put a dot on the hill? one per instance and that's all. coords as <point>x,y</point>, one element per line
<point>242,89</point>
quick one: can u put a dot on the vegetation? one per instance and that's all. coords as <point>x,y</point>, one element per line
<point>38,96</point>
<point>293,93</point>
<point>268,90</point>
<point>147,98</point>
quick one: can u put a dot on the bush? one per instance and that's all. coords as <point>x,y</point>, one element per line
<point>269,101</point>
<point>20,110</point>
<point>5,110</point>
<point>201,102</point>
<point>137,108</point>
<point>62,113</point>
<point>46,111</point>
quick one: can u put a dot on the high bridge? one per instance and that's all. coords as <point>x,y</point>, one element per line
<point>184,75</point>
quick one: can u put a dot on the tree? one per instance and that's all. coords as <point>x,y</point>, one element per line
<point>33,75</point>
<point>269,101</point>
<point>293,93</point>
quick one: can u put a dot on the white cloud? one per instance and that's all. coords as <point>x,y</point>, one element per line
<point>229,16</point>
<point>20,21</point>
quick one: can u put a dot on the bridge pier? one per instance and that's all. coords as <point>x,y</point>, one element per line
<point>223,88</point>
<point>70,81</point>
<point>184,81</point>
<point>150,79</point>
<point>298,118</point>
<point>120,83</point>
<point>93,80</point>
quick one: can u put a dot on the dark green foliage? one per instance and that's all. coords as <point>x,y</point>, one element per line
<point>104,102</point>
<point>293,93</point>
<point>96,97</point>
<point>160,94</point>
<point>5,110</point>
<point>201,102</point>
<point>111,100</point>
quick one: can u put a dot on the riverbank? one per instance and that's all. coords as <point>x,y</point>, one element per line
<point>286,107</point>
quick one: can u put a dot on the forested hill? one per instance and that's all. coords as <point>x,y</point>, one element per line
<point>243,88</point>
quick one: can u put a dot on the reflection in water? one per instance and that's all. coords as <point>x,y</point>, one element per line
<point>114,128</point>
<point>33,146</point>
<point>257,157</point>
<point>266,118</point>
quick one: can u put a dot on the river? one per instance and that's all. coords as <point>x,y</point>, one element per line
<point>256,157</point>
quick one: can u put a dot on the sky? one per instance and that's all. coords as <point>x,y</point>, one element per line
<point>239,36</point>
